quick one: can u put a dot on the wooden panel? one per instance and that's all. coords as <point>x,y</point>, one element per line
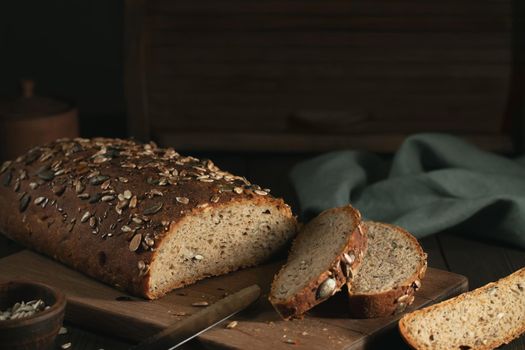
<point>249,66</point>
<point>94,305</point>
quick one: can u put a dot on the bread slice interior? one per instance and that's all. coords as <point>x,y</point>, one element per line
<point>317,246</point>
<point>393,257</point>
<point>481,319</point>
<point>219,240</point>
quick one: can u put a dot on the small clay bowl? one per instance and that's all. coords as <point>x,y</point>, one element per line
<point>35,332</point>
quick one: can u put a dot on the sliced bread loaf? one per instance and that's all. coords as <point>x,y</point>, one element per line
<point>392,269</point>
<point>327,251</point>
<point>484,318</point>
<point>138,217</point>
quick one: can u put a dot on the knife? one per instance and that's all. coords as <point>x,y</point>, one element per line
<point>185,330</point>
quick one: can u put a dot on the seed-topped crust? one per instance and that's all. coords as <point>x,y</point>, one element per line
<point>103,205</point>
<point>336,274</point>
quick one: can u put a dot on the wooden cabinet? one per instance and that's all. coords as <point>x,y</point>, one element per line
<point>305,75</point>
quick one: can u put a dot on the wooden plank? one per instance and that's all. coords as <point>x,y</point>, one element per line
<point>271,142</point>
<point>333,38</point>
<point>95,305</point>
<point>361,7</point>
<point>210,21</point>
<point>336,54</point>
<point>135,70</point>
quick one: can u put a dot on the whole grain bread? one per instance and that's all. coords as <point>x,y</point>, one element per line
<point>484,318</point>
<point>325,254</point>
<point>392,270</point>
<point>138,217</point>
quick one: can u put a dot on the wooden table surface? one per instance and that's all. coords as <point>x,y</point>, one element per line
<point>480,261</point>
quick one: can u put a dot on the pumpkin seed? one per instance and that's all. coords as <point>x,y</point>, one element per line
<point>134,244</point>
<point>98,179</point>
<point>6,179</point>
<point>153,209</point>
<point>326,289</point>
<point>59,189</point>
<point>24,202</point>
<point>46,175</point>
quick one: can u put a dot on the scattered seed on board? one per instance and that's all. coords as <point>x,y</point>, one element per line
<point>66,346</point>
<point>85,217</point>
<point>200,304</point>
<point>232,325</point>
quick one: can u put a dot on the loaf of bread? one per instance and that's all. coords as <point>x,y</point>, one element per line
<point>325,255</point>
<point>392,270</point>
<point>484,318</point>
<point>138,217</point>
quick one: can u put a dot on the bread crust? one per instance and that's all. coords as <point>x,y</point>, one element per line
<point>387,303</point>
<point>413,343</point>
<point>305,299</point>
<point>44,208</point>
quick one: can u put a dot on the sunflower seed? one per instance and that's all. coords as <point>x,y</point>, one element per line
<point>133,202</point>
<point>214,199</point>
<point>134,244</point>
<point>198,257</point>
<point>85,217</point>
<point>5,165</point>
<point>123,179</point>
<point>137,220</point>
<point>127,194</point>
<point>17,185</point>
<point>182,200</point>
<point>232,325</point>
<point>326,289</point>
<point>416,284</point>
<point>107,198</point>
<point>149,241</point>
<point>349,258</point>
<point>238,190</point>
<point>66,345</point>
<point>24,202</point>
<point>33,185</point>
<point>200,303</point>
<point>261,192</point>
<point>83,196</point>
<point>126,228</point>
<point>153,209</point>
<point>400,307</point>
<point>98,179</point>
<point>403,299</point>
<point>79,187</point>
<point>105,185</point>
<point>156,192</point>
<point>39,200</point>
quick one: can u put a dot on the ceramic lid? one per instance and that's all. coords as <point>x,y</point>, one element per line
<point>30,105</point>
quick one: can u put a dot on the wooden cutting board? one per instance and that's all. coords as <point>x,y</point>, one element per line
<point>104,309</point>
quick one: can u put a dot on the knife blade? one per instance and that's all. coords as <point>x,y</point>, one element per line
<point>187,329</point>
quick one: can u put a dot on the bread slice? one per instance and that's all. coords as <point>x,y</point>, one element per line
<point>392,270</point>
<point>484,318</point>
<point>327,251</point>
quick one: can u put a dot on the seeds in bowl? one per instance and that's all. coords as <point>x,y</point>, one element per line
<point>23,309</point>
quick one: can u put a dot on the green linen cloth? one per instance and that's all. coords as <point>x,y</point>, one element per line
<point>434,182</point>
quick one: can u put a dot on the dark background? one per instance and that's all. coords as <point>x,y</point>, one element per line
<point>73,50</point>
